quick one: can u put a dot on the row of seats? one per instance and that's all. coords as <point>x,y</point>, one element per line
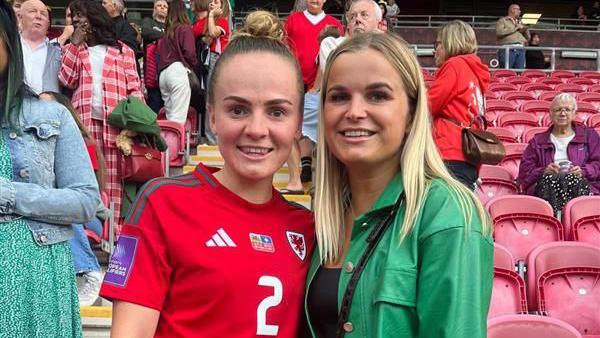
<point>537,91</point>
<point>515,127</point>
<point>534,75</point>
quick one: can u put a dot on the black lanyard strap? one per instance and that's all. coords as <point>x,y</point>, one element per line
<point>372,241</point>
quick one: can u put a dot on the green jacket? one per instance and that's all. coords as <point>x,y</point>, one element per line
<point>436,284</point>
<point>133,114</point>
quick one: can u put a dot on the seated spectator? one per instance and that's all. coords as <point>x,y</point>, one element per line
<point>123,30</point>
<point>564,161</point>
<point>579,15</point>
<point>153,29</point>
<point>40,56</point>
<point>177,59</point>
<point>46,184</point>
<point>595,15</point>
<point>535,59</point>
<point>456,96</point>
<point>85,261</point>
<point>102,71</point>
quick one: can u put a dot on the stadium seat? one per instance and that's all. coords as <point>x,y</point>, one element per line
<point>518,80</point>
<point>562,282</point>
<point>570,88</point>
<point>174,135</point>
<point>550,81</point>
<point>538,108</point>
<point>518,122</point>
<point>504,134</point>
<point>494,181</point>
<point>502,74</point>
<point>594,76</point>
<point>503,258</point>
<point>191,123</point>
<point>534,74</point>
<point>529,133</point>
<point>585,110</point>
<point>529,326</point>
<point>593,98</point>
<point>522,223</point>
<point>427,75</point>
<point>581,218</point>
<point>583,82</point>
<point>495,108</point>
<point>508,290</point>
<point>548,96</point>
<point>500,88</point>
<point>594,89</point>
<point>518,97</point>
<point>536,88</point>
<point>512,159</point>
<point>564,75</point>
<point>593,121</point>
<point>490,95</point>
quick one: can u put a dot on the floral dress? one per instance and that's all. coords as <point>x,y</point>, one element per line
<point>38,293</point>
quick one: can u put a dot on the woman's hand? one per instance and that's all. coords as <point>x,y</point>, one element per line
<point>576,170</point>
<point>552,168</point>
<point>80,33</point>
<point>216,12</point>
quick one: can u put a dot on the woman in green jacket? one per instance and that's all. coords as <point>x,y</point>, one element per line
<point>381,183</point>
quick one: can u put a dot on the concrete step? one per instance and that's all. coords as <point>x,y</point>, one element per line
<point>96,321</point>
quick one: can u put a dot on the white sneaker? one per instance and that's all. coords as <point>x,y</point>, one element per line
<point>88,293</point>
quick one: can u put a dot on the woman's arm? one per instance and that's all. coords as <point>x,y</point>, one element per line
<point>188,46</point>
<point>75,196</point>
<point>70,66</point>
<point>441,89</point>
<point>130,320</point>
<point>530,170</point>
<point>591,169</point>
<point>212,29</point>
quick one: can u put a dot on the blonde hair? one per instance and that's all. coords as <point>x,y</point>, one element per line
<point>457,38</point>
<point>420,161</point>
<point>261,23</point>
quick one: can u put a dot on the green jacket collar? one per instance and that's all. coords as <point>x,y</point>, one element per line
<point>390,195</point>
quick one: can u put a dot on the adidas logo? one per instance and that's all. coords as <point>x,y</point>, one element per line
<point>220,239</point>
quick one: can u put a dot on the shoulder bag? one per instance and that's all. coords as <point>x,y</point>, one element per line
<point>480,146</point>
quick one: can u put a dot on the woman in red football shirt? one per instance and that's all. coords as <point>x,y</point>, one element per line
<point>222,254</point>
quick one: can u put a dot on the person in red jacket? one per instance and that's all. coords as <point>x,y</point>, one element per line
<point>456,95</point>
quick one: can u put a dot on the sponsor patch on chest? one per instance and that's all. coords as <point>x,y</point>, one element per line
<point>262,242</point>
<point>297,243</point>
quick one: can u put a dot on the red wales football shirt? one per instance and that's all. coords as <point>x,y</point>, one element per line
<point>212,263</point>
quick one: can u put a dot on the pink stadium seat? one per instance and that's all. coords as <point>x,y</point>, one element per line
<point>517,122</point>
<point>518,80</point>
<point>585,110</point>
<point>562,282</point>
<point>529,133</point>
<point>489,95</point>
<point>502,74</point>
<point>594,76</point>
<point>593,98</point>
<point>500,88</point>
<point>534,74</point>
<point>191,123</point>
<point>538,108</point>
<point>585,83</point>
<point>508,291</point>
<point>536,88</point>
<point>564,75</point>
<point>503,258</point>
<point>504,134</point>
<point>594,89</point>
<point>518,97</point>
<point>570,88</point>
<point>499,105</point>
<point>174,135</point>
<point>550,81</point>
<point>512,159</point>
<point>581,218</point>
<point>529,326</point>
<point>594,121</point>
<point>494,181</point>
<point>548,96</point>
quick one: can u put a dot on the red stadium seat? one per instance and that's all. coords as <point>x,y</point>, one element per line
<point>593,98</point>
<point>174,135</point>
<point>501,88</point>
<point>564,75</point>
<point>594,89</point>
<point>536,88</point>
<point>548,96</point>
<point>503,258</point>
<point>504,134</point>
<point>550,81</point>
<point>499,105</point>
<point>594,76</point>
<point>508,290</point>
<point>594,121</point>
<point>563,283</point>
<point>534,74</point>
<point>522,223</point>
<point>570,88</point>
<point>191,123</point>
<point>581,218</point>
<point>494,181</point>
<point>585,83</point>
<point>518,80</point>
<point>585,110</point>
<point>518,97</point>
<point>490,95</point>
<point>502,74</point>
<point>538,108</point>
<point>518,122</point>
<point>529,133</point>
<point>512,159</point>
<point>529,326</point>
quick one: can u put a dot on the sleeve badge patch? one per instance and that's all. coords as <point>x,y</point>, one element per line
<point>297,243</point>
<point>121,261</point>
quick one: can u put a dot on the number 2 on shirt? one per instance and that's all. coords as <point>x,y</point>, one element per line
<point>262,328</point>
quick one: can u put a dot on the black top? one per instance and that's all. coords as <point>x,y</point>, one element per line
<point>323,302</point>
<point>534,59</point>
<point>126,34</point>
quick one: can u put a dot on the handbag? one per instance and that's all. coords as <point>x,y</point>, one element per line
<point>142,165</point>
<point>480,146</point>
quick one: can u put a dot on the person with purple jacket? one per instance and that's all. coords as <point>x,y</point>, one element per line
<point>564,161</point>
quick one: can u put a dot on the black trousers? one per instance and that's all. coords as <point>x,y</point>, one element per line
<point>464,172</point>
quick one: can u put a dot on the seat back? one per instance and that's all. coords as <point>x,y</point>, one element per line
<point>504,134</point>
<point>538,108</point>
<point>581,218</point>
<point>518,97</point>
<point>563,278</point>
<point>502,74</point>
<point>592,98</point>
<point>530,133</point>
<point>503,259</point>
<point>548,95</point>
<point>500,88</point>
<point>191,123</point>
<point>583,82</point>
<point>562,74</point>
<point>529,326</point>
<point>534,74</point>
<point>517,122</point>
<point>174,135</point>
<point>518,80</point>
<point>550,81</point>
<point>490,188</point>
<point>593,121</point>
<point>495,172</point>
<point>594,76</point>
<point>508,293</point>
<point>512,159</point>
<point>570,88</point>
<point>594,89</point>
<point>536,88</point>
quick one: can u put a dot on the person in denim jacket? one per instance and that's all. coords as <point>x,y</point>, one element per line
<point>46,184</point>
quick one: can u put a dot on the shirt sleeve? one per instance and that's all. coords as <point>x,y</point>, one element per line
<point>139,268</point>
<point>327,46</point>
<point>591,169</point>
<point>530,168</point>
<point>70,66</point>
<point>223,25</point>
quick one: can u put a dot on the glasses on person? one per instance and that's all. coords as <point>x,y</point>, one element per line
<point>436,44</point>
<point>354,15</point>
<point>563,110</point>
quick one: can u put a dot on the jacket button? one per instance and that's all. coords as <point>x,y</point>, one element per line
<point>12,135</point>
<point>43,238</point>
<point>24,173</point>
<point>349,267</point>
<point>364,225</point>
<point>348,327</point>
